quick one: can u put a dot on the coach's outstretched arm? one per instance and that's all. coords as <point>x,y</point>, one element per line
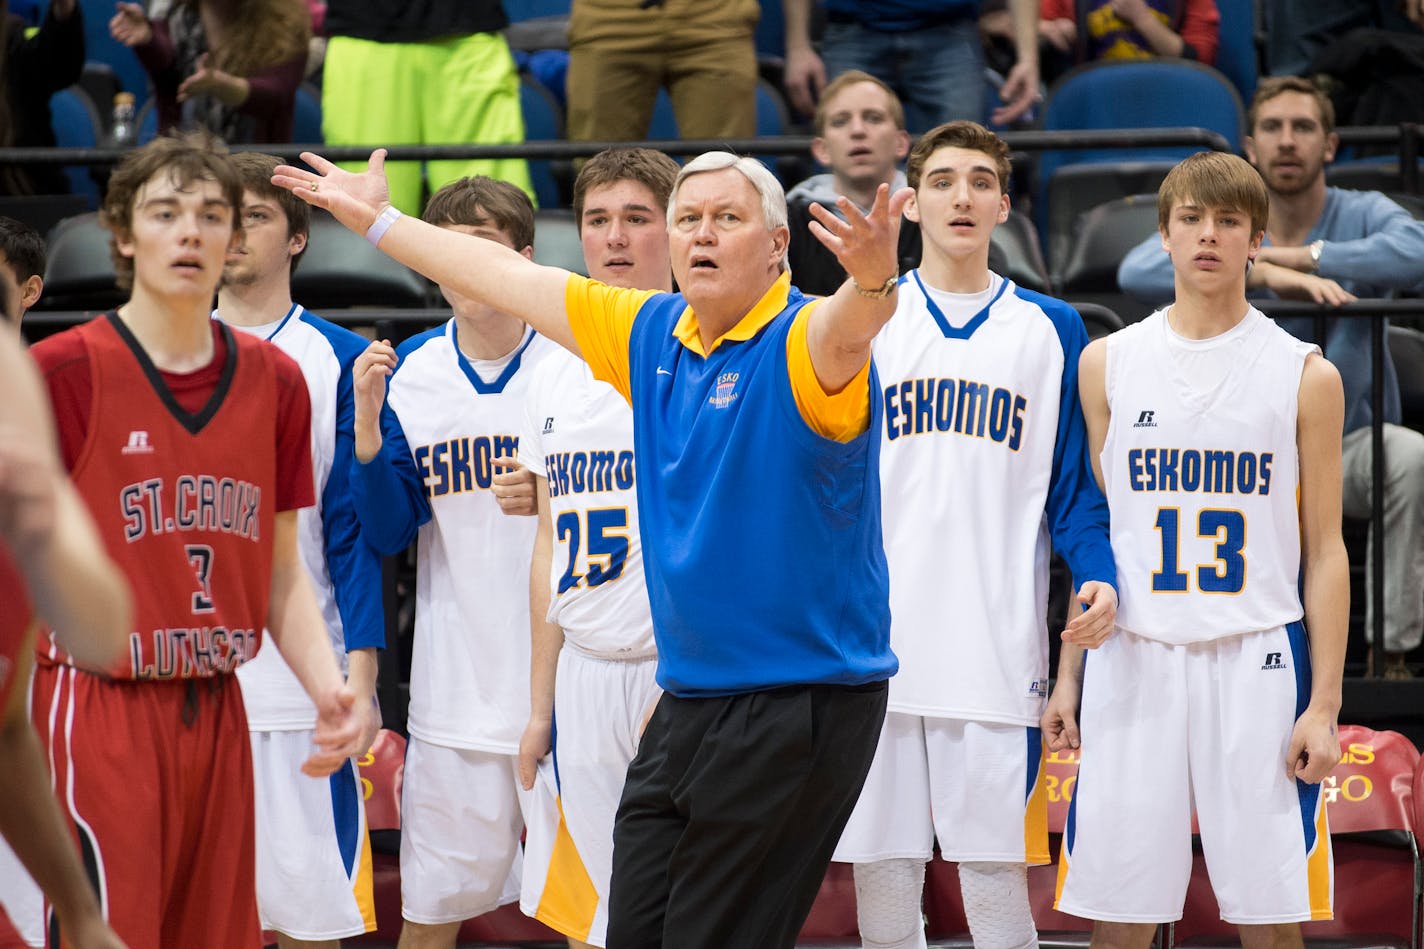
<point>476,268</point>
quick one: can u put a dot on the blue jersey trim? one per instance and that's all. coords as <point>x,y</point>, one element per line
<point>346,814</point>
<point>497,386</point>
<point>389,492</point>
<point>1076,509</point>
<point>1308,794</point>
<point>976,321</point>
<point>1035,759</point>
<point>353,565</point>
<point>292,311</point>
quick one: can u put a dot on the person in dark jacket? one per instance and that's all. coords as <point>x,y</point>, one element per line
<point>35,68</point>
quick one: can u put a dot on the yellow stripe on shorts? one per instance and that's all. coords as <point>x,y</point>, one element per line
<point>569,901</point>
<point>1036,814</point>
<point>1319,870</point>
<point>363,886</point>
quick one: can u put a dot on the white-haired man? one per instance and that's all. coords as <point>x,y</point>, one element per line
<point>758,496</point>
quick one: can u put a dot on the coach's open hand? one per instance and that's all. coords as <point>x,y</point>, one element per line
<point>354,200</point>
<point>866,245</point>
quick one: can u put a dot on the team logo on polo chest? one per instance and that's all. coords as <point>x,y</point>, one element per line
<point>725,392</point>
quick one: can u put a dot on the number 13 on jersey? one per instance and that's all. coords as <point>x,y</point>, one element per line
<point>1226,574</point>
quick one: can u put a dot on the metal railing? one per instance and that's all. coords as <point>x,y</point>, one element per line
<point>798,145</point>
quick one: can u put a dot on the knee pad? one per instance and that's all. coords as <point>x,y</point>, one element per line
<point>996,905</point>
<point>888,895</point>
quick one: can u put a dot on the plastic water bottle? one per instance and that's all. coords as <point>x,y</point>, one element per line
<point>122,131</point>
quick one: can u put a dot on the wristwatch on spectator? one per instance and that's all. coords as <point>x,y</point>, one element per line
<point>1315,248</point>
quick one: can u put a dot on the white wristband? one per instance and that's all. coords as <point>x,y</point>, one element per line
<point>382,224</point>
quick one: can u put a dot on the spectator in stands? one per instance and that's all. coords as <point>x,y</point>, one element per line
<point>861,138</point>
<point>435,72</point>
<point>230,66</point>
<point>1330,245</point>
<point>37,66</point>
<point>1130,29</point>
<point>621,53</point>
<point>928,51</point>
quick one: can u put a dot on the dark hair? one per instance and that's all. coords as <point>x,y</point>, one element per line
<point>188,157</point>
<point>646,166</point>
<point>960,134</point>
<point>478,201</point>
<point>255,169</point>
<point>23,248</point>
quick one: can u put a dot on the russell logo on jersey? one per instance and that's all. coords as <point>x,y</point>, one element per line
<point>137,444</point>
<point>1273,661</point>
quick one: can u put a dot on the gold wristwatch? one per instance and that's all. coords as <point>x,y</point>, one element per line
<point>880,292</point>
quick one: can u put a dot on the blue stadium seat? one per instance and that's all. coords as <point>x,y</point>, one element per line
<point>76,125</point>
<point>306,121</point>
<point>1236,57</point>
<point>147,121</point>
<point>543,122</point>
<point>1117,94</point>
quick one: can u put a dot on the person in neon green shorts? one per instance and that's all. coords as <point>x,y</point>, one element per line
<point>431,73</point>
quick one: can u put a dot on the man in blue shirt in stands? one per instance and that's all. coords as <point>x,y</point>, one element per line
<point>1332,245</point>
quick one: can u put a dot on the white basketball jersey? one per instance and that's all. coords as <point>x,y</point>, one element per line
<point>272,695</point>
<point>1201,473</point>
<point>578,433</point>
<point>972,391</point>
<point>469,679</point>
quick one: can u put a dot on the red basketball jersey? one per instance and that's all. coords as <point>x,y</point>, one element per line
<point>16,619</point>
<point>185,500</point>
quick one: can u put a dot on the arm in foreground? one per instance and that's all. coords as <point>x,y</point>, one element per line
<point>546,641</point>
<point>1314,742</point>
<point>476,268</point>
<point>299,632</point>
<point>31,822</point>
<point>71,580</point>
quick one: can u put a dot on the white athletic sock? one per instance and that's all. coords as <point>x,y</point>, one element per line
<point>996,905</point>
<point>888,894</point>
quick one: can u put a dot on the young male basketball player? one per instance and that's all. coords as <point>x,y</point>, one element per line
<point>593,658</point>
<point>313,859</point>
<point>427,463</point>
<point>983,460</point>
<point>1216,437</point>
<point>190,444</point>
